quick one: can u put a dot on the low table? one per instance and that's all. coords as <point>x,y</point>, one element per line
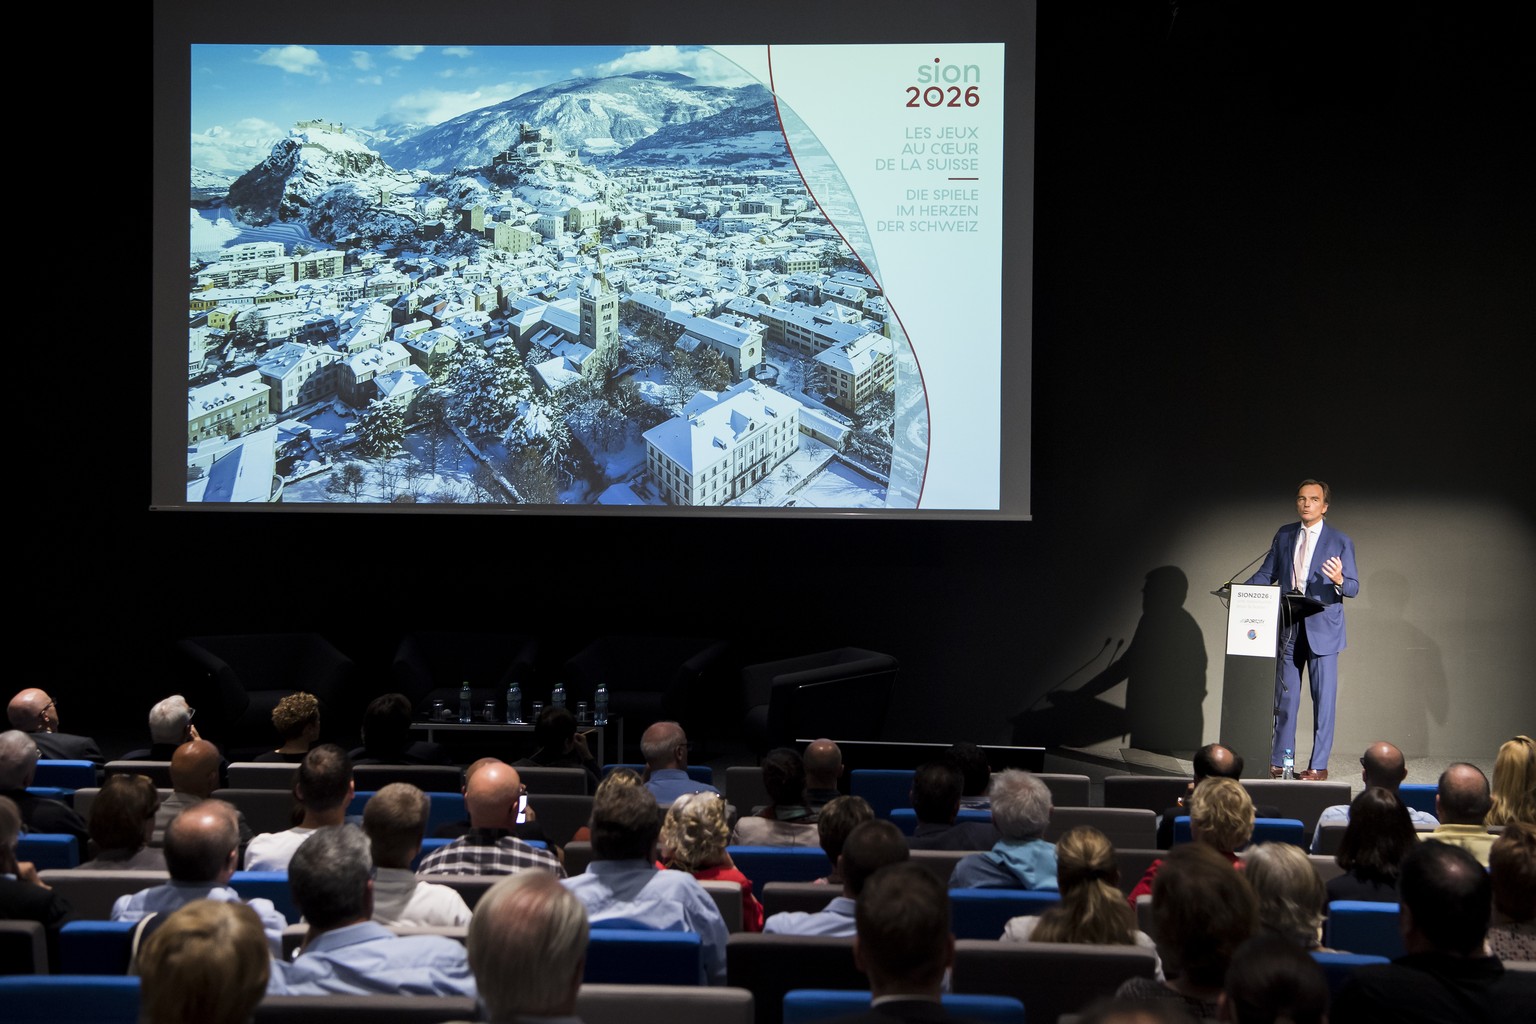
<point>470,730</point>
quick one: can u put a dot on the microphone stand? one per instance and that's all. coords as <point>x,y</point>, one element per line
<point>1062,681</point>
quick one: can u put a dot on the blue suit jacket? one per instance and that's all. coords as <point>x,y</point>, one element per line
<point>1325,628</point>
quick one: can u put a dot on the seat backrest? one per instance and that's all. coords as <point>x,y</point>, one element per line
<point>940,862</point>
<point>561,814</point>
<point>1265,830</point>
<point>764,864</point>
<point>808,897</point>
<point>727,897</point>
<point>675,1004</point>
<point>267,885</point>
<point>471,887</point>
<point>1340,966</point>
<point>65,774</point>
<point>541,780</point>
<point>770,965</point>
<point>335,1008</point>
<point>982,913</point>
<point>905,818</point>
<point>1329,837</point>
<point>1067,789</point>
<point>48,850</point>
<point>1327,868</point>
<point>261,775</point>
<point>95,947</point>
<point>430,778</point>
<point>697,772</point>
<point>578,854</point>
<point>1355,926</point>
<point>1418,795</point>
<point>442,808</point>
<point>23,948</point>
<point>1133,863</point>
<point>50,998</point>
<point>625,956</point>
<point>85,798</point>
<point>1049,978</point>
<point>159,772</point>
<point>1132,827</point>
<point>91,893</point>
<point>884,788</point>
<point>1305,802</point>
<point>1154,793</point>
<point>265,809</point>
<point>809,1005</point>
<point>744,787</point>
<point>1144,922</point>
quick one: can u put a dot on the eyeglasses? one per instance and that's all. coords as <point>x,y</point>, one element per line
<point>50,705</point>
<point>191,714</point>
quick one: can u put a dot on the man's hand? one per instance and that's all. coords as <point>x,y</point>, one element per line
<point>26,871</point>
<point>1334,570</point>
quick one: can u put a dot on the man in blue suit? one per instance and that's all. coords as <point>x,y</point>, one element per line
<point>1309,557</point>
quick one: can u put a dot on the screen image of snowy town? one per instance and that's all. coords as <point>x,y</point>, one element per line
<point>529,276</point>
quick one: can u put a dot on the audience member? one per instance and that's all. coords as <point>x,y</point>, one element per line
<point>1377,838</point>
<point>1447,898</point>
<point>1021,859</point>
<point>297,721</point>
<point>975,773</point>
<point>195,767</point>
<point>18,767</point>
<point>823,771</point>
<point>528,950</point>
<point>528,830</point>
<point>490,847</point>
<point>1273,981</point>
<point>323,789</point>
<point>623,883</point>
<point>1461,803</point>
<point>170,725</point>
<point>665,748</point>
<point>694,835</point>
<point>1212,761</point>
<point>122,820</point>
<point>23,895</point>
<point>1292,900</point>
<point>202,851</point>
<point>1514,783</point>
<point>785,820</point>
<point>1092,910</point>
<point>1202,910</point>
<point>1382,765</point>
<point>386,735</point>
<point>207,962</point>
<point>833,824</point>
<point>1136,1011</point>
<point>560,744</point>
<point>1512,870</point>
<point>870,847</point>
<point>331,876</point>
<point>904,944</point>
<point>395,821</point>
<point>35,713</point>
<point>935,800</point>
<point>1220,816</point>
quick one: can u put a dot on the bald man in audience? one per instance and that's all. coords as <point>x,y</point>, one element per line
<point>1381,765</point>
<point>1461,803</point>
<point>823,768</point>
<point>202,851</point>
<point>528,950</point>
<point>665,748</point>
<point>490,847</point>
<point>194,776</point>
<point>37,714</point>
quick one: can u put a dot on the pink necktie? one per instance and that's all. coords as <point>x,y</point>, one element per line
<point>1298,579</point>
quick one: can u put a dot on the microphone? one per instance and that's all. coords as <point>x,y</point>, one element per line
<point>1226,588</point>
<point>1062,681</point>
<point>1119,644</point>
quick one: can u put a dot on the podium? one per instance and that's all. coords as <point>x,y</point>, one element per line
<point>1248,675</point>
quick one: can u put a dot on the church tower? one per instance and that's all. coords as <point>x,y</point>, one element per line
<point>600,324</point>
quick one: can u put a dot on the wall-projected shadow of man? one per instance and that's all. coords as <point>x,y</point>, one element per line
<point>1164,669</point>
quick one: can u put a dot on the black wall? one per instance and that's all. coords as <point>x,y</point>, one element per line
<point>1225,198</point>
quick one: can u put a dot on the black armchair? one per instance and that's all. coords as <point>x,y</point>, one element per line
<point>653,679</point>
<point>432,665</point>
<point>843,693</point>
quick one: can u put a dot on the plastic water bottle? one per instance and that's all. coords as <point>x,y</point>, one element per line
<point>514,703</point>
<point>1288,765</point>
<point>464,701</point>
<point>600,705</point>
<point>557,696</point>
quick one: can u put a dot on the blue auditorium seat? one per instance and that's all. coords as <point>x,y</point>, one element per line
<point>95,947</point>
<point>443,808</point>
<point>618,955</point>
<point>905,818</point>
<point>65,774</point>
<point>1356,926</point>
<point>764,864</point>
<point>1339,966</point>
<point>982,913</point>
<point>1419,795</point>
<point>884,788</point>
<point>267,885</point>
<point>49,850</point>
<point>697,772</point>
<point>78,999</point>
<point>808,1005</point>
<point>1265,830</point>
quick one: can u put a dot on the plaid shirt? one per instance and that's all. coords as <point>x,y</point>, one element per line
<point>488,851</point>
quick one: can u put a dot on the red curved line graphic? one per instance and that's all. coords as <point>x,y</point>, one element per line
<point>928,413</point>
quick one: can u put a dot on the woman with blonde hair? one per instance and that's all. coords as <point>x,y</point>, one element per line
<point>1514,783</point>
<point>208,962</point>
<point>694,836</point>
<point>1092,910</point>
<point>1220,816</point>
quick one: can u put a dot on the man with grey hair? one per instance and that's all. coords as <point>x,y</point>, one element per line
<point>1021,859</point>
<point>665,748</point>
<point>18,766</point>
<point>170,725</point>
<point>202,851</point>
<point>331,876</point>
<point>528,949</point>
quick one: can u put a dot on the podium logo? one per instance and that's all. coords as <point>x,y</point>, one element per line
<point>1253,634</point>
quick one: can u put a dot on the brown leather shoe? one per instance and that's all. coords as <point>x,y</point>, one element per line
<point>1276,772</point>
<point>1315,775</point>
